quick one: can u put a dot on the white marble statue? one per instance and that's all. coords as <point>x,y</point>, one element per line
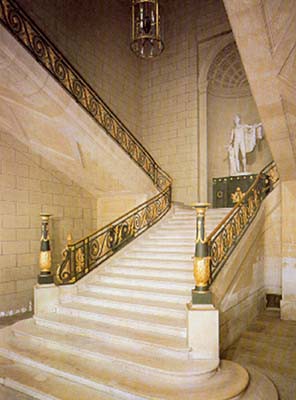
<point>242,141</point>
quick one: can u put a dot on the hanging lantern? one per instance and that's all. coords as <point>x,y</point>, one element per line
<point>146,36</point>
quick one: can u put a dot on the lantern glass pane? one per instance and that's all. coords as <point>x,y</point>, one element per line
<point>146,41</point>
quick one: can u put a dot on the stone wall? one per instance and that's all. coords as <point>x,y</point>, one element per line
<point>157,99</point>
<point>95,36</point>
<point>252,271</point>
<point>30,185</point>
<point>169,119</point>
<point>288,304</point>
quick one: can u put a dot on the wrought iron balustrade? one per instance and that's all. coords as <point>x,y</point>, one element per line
<point>21,26</point>
<point>84,255</point>
<point>222,241</point>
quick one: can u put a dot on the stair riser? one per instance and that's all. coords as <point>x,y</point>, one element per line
<point>117,321</point>
<point>133,294</point>
<point>150,348</point>
<point>68,375</point>
<point>156,263</point>
<point>140,255</point>
<point>160,241</point>
<point>153,273</point>
<point>134,367</point>
<point>128,307</point>
<point>167,248</point>
<point>27,390</point>
<point>164,266</point>
<point>175,233</point>
<point>138,283</point>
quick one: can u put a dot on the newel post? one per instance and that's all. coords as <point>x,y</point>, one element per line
<point>45,275</point>
<point>202,317</point>
<point>201,266</point>
<point>46,293</point>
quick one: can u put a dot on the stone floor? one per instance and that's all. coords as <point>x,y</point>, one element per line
<point>269,344</point>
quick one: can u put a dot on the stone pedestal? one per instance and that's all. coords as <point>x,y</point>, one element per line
<point>203,331</point>
<point>46,298</point>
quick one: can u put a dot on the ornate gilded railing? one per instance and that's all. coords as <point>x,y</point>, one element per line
<point>222,241</point>
<point>14,19</point>
<point>84,255</point>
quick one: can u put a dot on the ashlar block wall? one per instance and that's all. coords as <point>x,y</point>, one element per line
<point>30,185</point>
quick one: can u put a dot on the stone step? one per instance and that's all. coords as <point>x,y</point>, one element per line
<point>107,377</point>
<point>175,273</point>
<point>155,239</point>
<point>170,325</point>
<point>191,222</point>
<point>159,255</point>
<point>143,282</point>
<point>119,353</point>
<point>153,294</point>
<point>159,263</point>
<point>44,385</point>
<point>156,247</point>
<point>173,346</point>
<point>116,380</point>
<point>127,303</point>
<point>174,233</point>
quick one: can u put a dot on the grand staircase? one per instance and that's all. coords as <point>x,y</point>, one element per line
<point>120,333</point>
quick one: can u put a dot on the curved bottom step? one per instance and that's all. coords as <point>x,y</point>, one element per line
<point>228,382</point>
<point>260,387</point>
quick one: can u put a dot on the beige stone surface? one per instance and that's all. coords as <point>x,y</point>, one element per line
<point>268,61</point>
<point>200,321</point>
<point>45,118</point>
<point>253,269</point>
<point>95,38</point>
<point>269,346</point>
<point>288,305</point>
<point>30,185</point>
<point>46,298</point>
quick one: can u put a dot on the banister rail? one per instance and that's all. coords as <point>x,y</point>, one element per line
<point>21,26</point>
<point>84,255</point>
<point>222,241</point>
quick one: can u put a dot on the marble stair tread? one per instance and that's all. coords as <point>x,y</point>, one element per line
<point>142,290</point>
<point>172,235</point>
<point>150,241</point>
<point>145,283</point>
<point>160,255</point>
<point>164,295</point>
<point>131,259</point>
<point>173,324</point>
<point>120,381</point>
<point>98,349</point>
<point>176,273</point>
<point>160,248</point>
<point>175,233</point>
<point>120,301</point>
<point>122,334</point>
<point>44,385</point>
<point>145,280</point>
<point>131,262</point>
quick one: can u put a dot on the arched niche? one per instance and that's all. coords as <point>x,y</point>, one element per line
<point>223,92</point>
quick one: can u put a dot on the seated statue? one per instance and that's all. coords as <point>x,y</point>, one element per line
<point>242,141</point>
